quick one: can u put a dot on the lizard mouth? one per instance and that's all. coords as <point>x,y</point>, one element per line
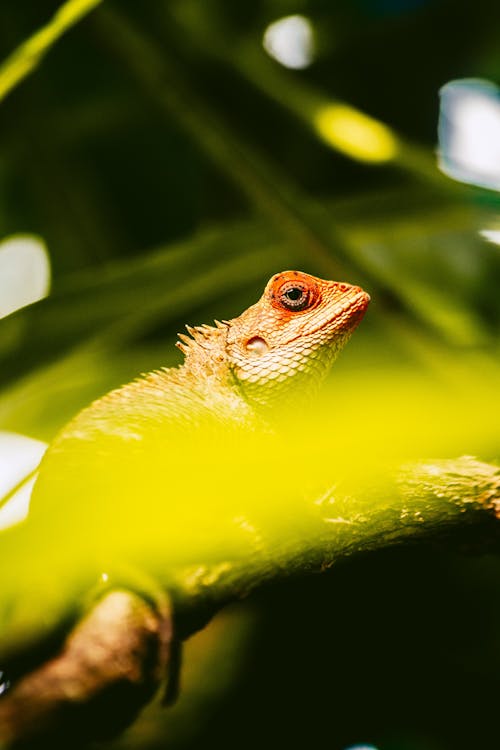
<point>355,308</point>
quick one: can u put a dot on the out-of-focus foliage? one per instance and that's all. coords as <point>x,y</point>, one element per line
<point>28,56</point>
<point>171,166</point>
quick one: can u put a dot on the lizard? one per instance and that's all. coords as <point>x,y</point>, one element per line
<point>235,375</point>
<point>238,368</point>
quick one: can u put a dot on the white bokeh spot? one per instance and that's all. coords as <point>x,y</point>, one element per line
<point>24,272</point>
<point>491,235</point>
<point>19,459</point>
<point>469,132</point>
<point>290,41</point>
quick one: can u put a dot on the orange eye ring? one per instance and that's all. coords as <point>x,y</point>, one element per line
<point>294,294</point>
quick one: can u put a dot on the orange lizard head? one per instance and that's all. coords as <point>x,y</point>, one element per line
<point>292,335</point>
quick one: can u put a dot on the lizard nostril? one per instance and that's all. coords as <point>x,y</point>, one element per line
<point>257,345</point>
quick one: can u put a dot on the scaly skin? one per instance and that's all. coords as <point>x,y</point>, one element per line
<point>238,366</point>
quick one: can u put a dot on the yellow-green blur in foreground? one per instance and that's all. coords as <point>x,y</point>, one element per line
<point>175,499</point>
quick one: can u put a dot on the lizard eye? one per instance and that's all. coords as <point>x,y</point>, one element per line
<point>293,291</point>
<point>295,297</point>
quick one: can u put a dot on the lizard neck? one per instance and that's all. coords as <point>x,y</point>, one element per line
<point>206,357</point>
<point>206,370</point>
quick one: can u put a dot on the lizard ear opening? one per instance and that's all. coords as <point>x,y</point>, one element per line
<point>257,346</point>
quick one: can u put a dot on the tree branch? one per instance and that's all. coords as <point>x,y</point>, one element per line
<point>106,670</point>
<point>452,503</point>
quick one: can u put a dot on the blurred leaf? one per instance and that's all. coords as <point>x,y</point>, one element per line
<point>30,54</point>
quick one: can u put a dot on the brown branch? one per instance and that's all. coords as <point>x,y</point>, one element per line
<point>453,503</point>
<point>107,669</point>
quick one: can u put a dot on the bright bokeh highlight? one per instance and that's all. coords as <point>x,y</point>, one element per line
<point>469,132</point>
<point>491,235</point>
<point>24,273</point>
<point>355,134</point>
<point>19,459</point>
<point>290,41</point>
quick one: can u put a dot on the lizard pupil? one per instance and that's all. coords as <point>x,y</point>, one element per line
<point>294,294</point>
<point>295,298</point>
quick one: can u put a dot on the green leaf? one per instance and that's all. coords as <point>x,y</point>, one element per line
<point>26,58</point>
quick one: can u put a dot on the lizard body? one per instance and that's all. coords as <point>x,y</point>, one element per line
<point>233,375</point>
